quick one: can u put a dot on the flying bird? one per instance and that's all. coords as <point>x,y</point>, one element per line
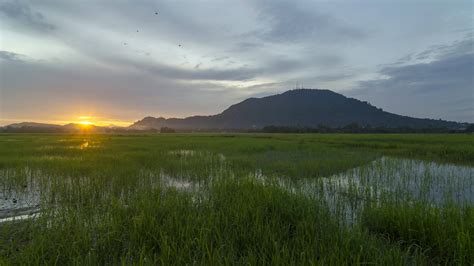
<point>156,12</point>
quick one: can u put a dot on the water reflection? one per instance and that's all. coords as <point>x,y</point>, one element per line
<point>18,203</point>
<point>387,180</point>
<point>394,178</point>
<point>383,180</point>
<point>84,145</point>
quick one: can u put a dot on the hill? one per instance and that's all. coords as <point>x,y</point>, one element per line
<point>296,108</point>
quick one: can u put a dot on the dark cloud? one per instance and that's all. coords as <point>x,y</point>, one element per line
<point>445,74</point>
<point>442,88</point>
<point>19,12</point>
<point>291,21</point>
<point>10,56</point>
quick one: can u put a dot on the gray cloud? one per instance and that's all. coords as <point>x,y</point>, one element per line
<point>230,50</point>
<point>19,12</point>
<point>445,74</point>
<point>464,46</point>
<point>170,72</point>
<point>442,88</point>
<point>217,59</point>
<point>119,93</point>
<point>10,56</point>
<point>334,77</point>
<point>291,21</point>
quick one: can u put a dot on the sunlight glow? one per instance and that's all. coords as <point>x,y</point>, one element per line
<point>85,123</point>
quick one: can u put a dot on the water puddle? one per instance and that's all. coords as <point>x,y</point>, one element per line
<point>385,180</point>
<point>183,153</point>
<point>164,180</point>
<point>85,145</point>
<point>17,205</point>
<point>402,179</point>
<point>177,183</point>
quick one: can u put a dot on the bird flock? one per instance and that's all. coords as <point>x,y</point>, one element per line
<point>156,14</point>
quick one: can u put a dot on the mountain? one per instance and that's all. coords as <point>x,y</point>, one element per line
<point>71,128</point>
<point>300,108</point>
<point>296,108</point>
<point>33,125</point>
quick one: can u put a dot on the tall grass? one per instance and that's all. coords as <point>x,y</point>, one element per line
<point>240,222</point>
<point>442,234</point>
<point>197,199</point>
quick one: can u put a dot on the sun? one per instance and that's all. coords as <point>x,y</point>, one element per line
<point>85,123</point>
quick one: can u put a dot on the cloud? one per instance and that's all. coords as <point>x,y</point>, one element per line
<point>445,74</point>
<point>10,56</point>
<point>21,13</point>
<point>171,72</point>
<point>441,88</point>
<point>334,77</point>
<point>291,21</point>
<point>61,52</point>
<point>217,59</point>
<point>436,52</point>
<point>62,90</point>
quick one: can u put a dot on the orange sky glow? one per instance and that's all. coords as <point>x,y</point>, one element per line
<point>85,120</point>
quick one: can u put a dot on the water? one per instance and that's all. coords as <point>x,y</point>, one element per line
<point>393,178</point>
<point>183,153</point>
<point>18,204</point>
<point>385,179</point>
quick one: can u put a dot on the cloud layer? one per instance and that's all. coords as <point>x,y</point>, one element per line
<point>441,88</point>
<point>123,60</point>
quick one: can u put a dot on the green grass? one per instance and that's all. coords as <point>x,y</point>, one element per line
<point>444,148</point>
<point>270,226</point>
<point>108,202</point>
<point>445,235</point>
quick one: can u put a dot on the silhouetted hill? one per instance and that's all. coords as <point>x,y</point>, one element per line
<point>33,125</point>
<point>296,108</point>
<point>300,110</point>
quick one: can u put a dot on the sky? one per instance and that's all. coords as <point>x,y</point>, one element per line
<point>117,61</point>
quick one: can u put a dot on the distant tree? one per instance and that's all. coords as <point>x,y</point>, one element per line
<point>167,130</point>
<point>469,129</point>
<point>351,128</point>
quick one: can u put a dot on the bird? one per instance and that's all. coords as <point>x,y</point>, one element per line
<point>124,43</point>
<point>156,12</point>
<point>137,30</point>
<point>179,45</point>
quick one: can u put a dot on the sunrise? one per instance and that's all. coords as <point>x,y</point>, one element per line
<point>236,132</point>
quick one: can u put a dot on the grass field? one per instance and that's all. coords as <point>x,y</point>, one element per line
<point>237,199</point>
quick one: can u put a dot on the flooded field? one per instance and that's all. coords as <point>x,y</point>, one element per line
<point>244,198</point>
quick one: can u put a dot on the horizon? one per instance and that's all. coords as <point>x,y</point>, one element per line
<point>86,121</point>
<point>114,62</point>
